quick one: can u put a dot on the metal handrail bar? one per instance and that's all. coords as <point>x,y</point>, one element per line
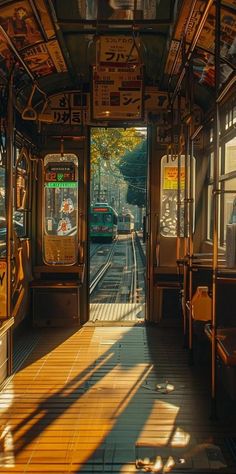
<point>134,274</point>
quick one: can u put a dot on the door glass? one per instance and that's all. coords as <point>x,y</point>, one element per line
<point>60,220</point>
<point>116,225</point>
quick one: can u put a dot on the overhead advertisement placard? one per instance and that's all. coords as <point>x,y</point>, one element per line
<point>203,64</point>
<point>3,289</point>
<point>117,93</point>
<point>117,51</point>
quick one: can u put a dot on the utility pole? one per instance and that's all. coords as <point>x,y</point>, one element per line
<point>99,179</point>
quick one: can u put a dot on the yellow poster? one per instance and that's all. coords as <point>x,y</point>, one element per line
<point>171,177</point>
<point>45,18</point>
<point>3,289</point>
<point>56,55</point>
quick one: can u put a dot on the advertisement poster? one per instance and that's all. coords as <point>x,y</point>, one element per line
<point>45,18</point>
<point>19,23</point>
<point>39,60</point>
<point>21,26</point>
<point>117,51</point>
<point>56,56</point>
<point>4,50</point>
<point>3,289</point>
<point>117,94</point>
<point>171,177</point>
<point>45,58</point>
<point>67,109</point>
<point>204,60</point>
<point>60,249</point>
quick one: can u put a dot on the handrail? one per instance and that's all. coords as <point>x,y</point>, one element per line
<point>134,275</point>
<point>6,325</point>
<point>29,113</point>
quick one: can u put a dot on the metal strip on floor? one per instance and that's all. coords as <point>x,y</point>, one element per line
<point>118,312</point>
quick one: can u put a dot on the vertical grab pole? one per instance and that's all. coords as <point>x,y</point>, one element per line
<point>191,253</point>
<point>178,185</point>
<point>186,217</point>
<point>190,215</point>
<point>9,210</point>
<point>185,275</point>
<point>189,247</point>
<point>215,213</point>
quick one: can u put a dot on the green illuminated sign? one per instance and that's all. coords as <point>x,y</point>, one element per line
<point>69,184</point>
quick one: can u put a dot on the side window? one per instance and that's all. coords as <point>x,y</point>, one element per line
<point>227,185</point>
<point>210,197</point>
<point>2,209</point>
<point>21,193</point>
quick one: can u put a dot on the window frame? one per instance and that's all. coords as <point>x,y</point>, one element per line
<point>224,177</point>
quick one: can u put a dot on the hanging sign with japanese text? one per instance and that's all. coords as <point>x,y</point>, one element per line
<point>117,51</point>
<point>69,108</point>
<point>117,93</point>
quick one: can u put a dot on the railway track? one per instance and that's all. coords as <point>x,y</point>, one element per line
<point>121,278</point>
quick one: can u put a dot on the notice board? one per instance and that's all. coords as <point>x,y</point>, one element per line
<point>117,93</point>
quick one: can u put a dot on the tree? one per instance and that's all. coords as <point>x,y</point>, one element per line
<point>133,166</point>
<point>111,144</point>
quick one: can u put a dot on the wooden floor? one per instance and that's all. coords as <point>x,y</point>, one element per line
<point>100,399</point>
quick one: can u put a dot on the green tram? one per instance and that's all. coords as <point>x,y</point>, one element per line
<point>103,222</point>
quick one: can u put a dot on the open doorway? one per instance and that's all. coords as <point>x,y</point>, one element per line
<point>117,230</point>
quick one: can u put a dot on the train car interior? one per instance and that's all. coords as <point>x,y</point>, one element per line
<point>117,236</point>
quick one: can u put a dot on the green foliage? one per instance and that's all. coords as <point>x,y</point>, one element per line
<point>111,144</point>
<point>133,166</point>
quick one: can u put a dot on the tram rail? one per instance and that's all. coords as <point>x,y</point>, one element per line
<point>103,269</point>
<point>94,250</point>
<point>124,274</point>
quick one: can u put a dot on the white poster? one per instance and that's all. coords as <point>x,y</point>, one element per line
<point>117,93</point>
<point>70,108</point>
<point>117,51</point>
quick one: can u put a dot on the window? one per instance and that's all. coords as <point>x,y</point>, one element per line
<point>107,218</point>
<point>60,221</point>
<point>227,198</point>
<point>210,197</point>
<point>230,156</point>
<point>230,117</point>
<point>169,195</point>
<point>3,231</point>
<point>21,193</point>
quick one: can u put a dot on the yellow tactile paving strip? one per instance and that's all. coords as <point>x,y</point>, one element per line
<point>118,312</point>
<point>86,401</point>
